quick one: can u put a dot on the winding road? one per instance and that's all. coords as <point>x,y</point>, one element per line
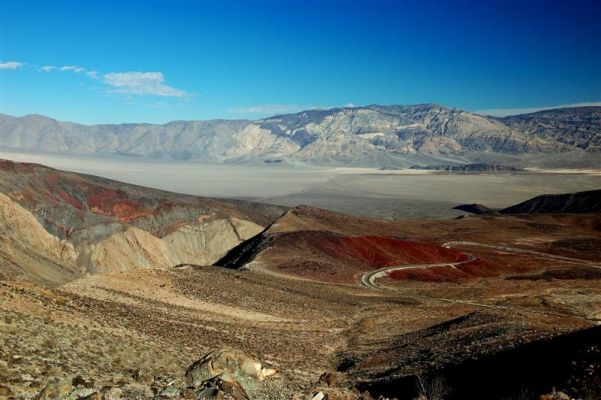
<point>369,278</point>
<point>518,250</point>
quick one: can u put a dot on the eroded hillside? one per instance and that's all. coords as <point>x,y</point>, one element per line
<point>100,225</point>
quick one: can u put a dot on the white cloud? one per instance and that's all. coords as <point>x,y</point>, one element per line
<point>11,65</point>
<point>270,109</point>
<point>142,83</point>
<point>138,83</point>
<point>69,68</point>
<point>276,109</point>
<point>503,112</point>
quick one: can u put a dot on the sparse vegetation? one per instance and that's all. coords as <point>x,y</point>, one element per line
<point>431,387</point>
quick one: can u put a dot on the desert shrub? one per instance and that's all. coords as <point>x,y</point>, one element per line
<point>431,388</point>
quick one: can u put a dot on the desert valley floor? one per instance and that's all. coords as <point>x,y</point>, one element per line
<point>387,194</point>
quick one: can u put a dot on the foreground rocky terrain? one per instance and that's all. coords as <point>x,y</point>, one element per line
<point>381,136</point>
<point>489,306</point>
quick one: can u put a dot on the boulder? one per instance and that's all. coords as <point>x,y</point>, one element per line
<point>230,365</point>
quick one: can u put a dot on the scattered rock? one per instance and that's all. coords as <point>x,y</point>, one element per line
<point>112,394</point>
<point>27,378</point>
<point>79,381</point>
<point>217,388</point>
<point>57,391</point>
<point>329,379</point>
<point>81,392</point>
<point>136,374</point>
<point>92,396</point>
<point>5,391</point>
<point>170,391</point>
<point>318,396</point>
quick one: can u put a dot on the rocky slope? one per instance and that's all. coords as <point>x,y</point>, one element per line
<point>581,202</point>
<point>72,224</point>
<point>578,127</point>
<point>381,136</point>
<point>26,248</point>
<point>573,203</point>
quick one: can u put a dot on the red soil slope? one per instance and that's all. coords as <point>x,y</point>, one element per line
<point>330,257</point>
<point>378,251</point>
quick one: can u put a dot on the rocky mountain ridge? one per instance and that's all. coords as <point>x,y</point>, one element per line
<point>426,134</point>
<point>568,203</point>
<point>580,202</point>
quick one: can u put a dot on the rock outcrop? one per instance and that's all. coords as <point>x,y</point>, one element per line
<point>229,365</point>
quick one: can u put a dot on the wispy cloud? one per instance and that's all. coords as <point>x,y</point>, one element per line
<point>11,65</point>
<point>70,68</point>
<point>131,83</point>
<point>73,68</point>
<point>275,109</point>
<point>270,109</point>
<point>142,83</point>
<point>503,112</point>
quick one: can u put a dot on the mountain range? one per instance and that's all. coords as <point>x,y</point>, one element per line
<point>377,136</point>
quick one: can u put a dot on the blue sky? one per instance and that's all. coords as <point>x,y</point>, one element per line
<point>156,61</point>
